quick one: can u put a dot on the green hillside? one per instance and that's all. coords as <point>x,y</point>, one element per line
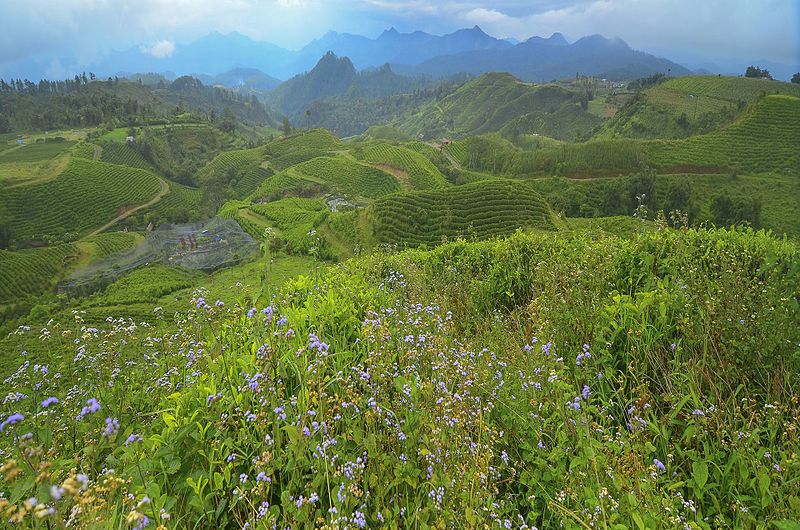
<point>479,210</point>
<point>763,139</point>
<point>86,195</point>
<point>501,103</point>
<point>412,169</point>
<point>684,106</point>
<point>541,359</point>
<point>349,177</point>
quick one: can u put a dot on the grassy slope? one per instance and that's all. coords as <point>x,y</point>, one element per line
<point>440,369</point>
<point>500,102</point>
<point>706,102</point>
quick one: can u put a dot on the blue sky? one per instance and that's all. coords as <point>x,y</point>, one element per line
<point>682,29</point>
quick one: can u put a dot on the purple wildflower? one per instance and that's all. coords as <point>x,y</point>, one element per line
<point>49,401</point>
<point>11,420</point>
<point>659,465</point>
<point>133,438</point>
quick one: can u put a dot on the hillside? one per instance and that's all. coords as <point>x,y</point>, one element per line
<point>681,107</point>
<point>479,210</point>
<point>87,194</point>
<point>521,359</point>
<point>502,103</point>
<point>53,105</point>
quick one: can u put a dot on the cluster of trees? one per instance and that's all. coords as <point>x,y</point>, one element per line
<point>647,82</point>
<point>758,73</point>
<point>796,78</point>
<point>727,210</point>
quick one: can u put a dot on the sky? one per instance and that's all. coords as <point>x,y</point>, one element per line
<point>683,30</point>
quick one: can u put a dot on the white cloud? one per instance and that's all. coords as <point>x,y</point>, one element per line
<point>481,15</point>
<point>160,50</point>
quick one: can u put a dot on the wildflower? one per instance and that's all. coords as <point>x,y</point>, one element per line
<point>359,519</point>
<point>251,312</point>
<point>243,478</point>
<point>91,407</point>
<point>262,477</point>
<point>49,401</point>
<point>576,403</point>
<point>112,428</point>
<point>133,438</point>
<point>11,420</point>
<point>698,412</point>
<point>201,303</point>
<point>219,303</point>
<point>659,465</point>
<point>586,392</point>
<point>56,492</point>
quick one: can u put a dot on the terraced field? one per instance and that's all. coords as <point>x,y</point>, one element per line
<point>31,272</point>
<point>243,167</point>
<point>110,243</point>
<point>412,169</point>
<point>291,150</point>
<point>766,139</point>
<point>686,106</point>
<point>349,177</point>
<point>87,194</point>
<point>480,210</point>
<point>35,152</point>
<point>729,88</point>
<point>124,155</point>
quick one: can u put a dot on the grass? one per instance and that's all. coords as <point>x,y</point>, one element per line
<point>599,380</point>
<point>25,173</point>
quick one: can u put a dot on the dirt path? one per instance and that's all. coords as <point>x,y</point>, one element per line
<point>161,192</point>
<point>96,155</point>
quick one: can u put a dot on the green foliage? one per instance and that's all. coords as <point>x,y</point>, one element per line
<point>656,390</point>
<point>144,285</point>
<point>298,219</point>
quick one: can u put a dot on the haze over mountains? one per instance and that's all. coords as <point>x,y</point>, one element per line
<point>467,50</point>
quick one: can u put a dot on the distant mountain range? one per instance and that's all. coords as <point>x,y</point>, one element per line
<point>246,62</point>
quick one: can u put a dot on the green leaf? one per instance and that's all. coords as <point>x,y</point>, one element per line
<point>638,520</point>
<point>700,474</point>
<point>786,525</point>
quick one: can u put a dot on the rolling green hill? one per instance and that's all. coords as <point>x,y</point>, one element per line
<point>763,139</point>
<point>502,103</point>
<point>685,106</point>
<point>412,169</point>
